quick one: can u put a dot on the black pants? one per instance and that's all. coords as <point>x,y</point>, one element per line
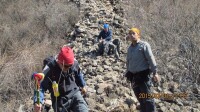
<point>141,83</point>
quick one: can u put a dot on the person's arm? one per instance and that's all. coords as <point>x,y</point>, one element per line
<point>100,36</point>
<point>79,77</point>
<point>150,57</point>
<point>80,80</point>
<point>127,61</point>
<point>109,36</point>
<point>127,64</point>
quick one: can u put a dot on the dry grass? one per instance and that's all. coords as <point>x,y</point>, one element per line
<point>29,32</point>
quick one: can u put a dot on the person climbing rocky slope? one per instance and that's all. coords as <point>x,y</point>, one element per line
<point>107,89</point>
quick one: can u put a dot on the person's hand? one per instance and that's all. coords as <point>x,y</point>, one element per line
<point>156,78</point>
<point>83,90</point>
<point>37,107</point>
<point>102,40</point>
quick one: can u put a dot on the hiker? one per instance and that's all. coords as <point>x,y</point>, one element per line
<point>65,71</point>
<point>140,64</point>
<point>105,42</point>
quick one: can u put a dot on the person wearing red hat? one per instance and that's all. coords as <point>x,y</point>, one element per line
<point>65,73</point>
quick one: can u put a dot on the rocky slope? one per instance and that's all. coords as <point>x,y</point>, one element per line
<point>107,89</point>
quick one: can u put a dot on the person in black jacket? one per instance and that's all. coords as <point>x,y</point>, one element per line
<point>65,71</point>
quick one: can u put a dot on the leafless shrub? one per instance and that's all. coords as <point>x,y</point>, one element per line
<point>172,28</point>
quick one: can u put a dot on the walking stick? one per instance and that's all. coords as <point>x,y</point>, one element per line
<point>38,77</point>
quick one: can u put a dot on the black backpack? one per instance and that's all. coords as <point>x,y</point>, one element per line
<point>48,60</point>
<point>116,42</point>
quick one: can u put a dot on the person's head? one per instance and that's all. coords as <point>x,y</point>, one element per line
<point>134,35</point>
<point>106,27</point>
<point>65,58</point>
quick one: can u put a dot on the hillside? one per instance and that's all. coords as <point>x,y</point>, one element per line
<point>34,30</point>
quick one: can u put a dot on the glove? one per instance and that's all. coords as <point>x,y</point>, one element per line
<point>83,90</point>
<point>38,76</point>
<point>129,76</point>
<point>156,79</point>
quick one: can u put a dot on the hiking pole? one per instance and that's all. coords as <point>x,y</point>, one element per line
<point>38,77</point>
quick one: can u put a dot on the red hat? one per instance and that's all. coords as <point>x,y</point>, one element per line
<point>66,55</point>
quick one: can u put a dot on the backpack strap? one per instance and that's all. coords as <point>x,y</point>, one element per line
<point>49,66</point>
<point>52,63</point>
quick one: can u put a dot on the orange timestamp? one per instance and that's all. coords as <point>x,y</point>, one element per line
<point>163,95</point>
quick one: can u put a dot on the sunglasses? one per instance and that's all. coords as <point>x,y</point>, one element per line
<point>67,66</point>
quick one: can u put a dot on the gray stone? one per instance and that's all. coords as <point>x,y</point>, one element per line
<point>99,80</point>
<point>91,90</point>
<point>160,104</point>
<point>186,103</point>
<point>116,68</point>
<point>196,90</point>
<point>94,25</point>
<point>93,19</point>
<point>106,67</point>
<point>184,109</point>
<point>159,89</point>
<point>94,63</point>
<point>175,107</point>
<point>165,85</point>
<point>100,91</point>
<point>171,110</point>
<point>179,102</point>
<point>100,69</point>
<point>89,70</point>
<point>195,110</point>
<point>198,106</point>
<point>101,108</point>
<point>107,78</point>
<point>133,108</point>
<point>157,100</point>
<point>90,102</point>
<point>163,109</point>
<point>113,101</point>
<point>107,62</point>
